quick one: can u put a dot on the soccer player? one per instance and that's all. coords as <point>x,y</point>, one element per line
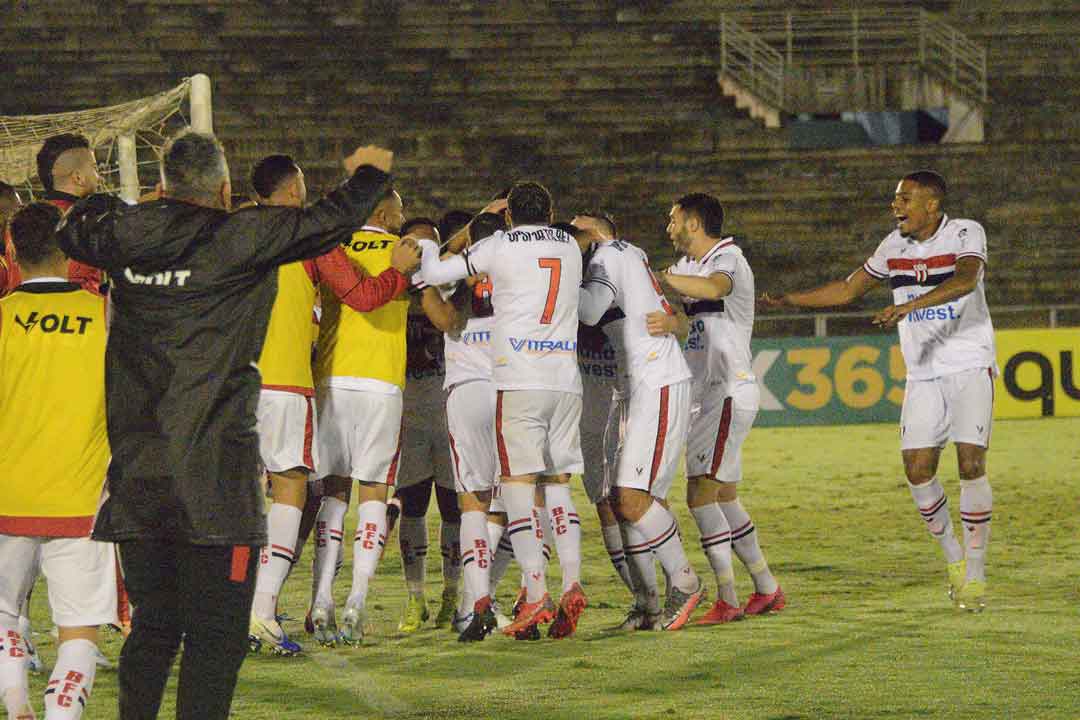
<point>717,287</point>
<point>936,266</point>
<point>52,355</point>
<point>67,168</point>
<point>193,289</point>
<point>425,458</point>
<point>535,271</point>
<point>655,380</point>
<point>360,368</point>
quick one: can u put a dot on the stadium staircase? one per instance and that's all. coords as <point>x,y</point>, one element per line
<point>611,103</point>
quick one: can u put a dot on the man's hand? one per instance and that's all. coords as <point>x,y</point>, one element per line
<point>496,207</point>
<point>891,315</point>
<point>370,155</point>
<point>659,323</point>
<point>405,257</point>
<point>773,302</point>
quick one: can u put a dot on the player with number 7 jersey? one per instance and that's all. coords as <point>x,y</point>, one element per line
<point>536,272</point>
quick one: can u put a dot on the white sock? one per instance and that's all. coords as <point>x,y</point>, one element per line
<point>716,542</point>
<point>642,567</point>
<point>276,557</point>
<point>502,555</point>
<point>524,520</point>
<point>14,668</point>
<point>566,532</point>
<point>367,548</point>
<point>976,505</point>
<point>450,547</point>
<point>475,557</point>
<point>744,541</point>
<point>329,527</point>
<point>934,507</point>
<point>614,545</point>
<point>543,521</point>
<point>413,541</point>
<point>658,527</point>
<point>71,681</point>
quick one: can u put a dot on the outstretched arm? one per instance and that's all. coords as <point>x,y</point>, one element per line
<point>838,292</point>
<point>439,272</point>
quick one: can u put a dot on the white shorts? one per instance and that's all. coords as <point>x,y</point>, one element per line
<point>719,424</point>
<point>286,425</point>
<point>359,434</point>
<point>601,414</point>
<point>657,420</point>
<point>470,420</point>
<point>957,407</point>
<point>425,451</point>
<point>538,431</point>
<point>80,572</point>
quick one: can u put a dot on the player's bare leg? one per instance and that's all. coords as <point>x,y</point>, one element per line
<point>329,527</point>
<point>368,545</point>
<point>651,527</point>
<point>920,466</point>
<point>518,494</point>
<point>976,507</point>
<point>289,489</point>
<point>450,549</point>
<point>566,534</point>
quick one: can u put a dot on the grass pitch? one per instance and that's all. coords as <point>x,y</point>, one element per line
<point>868,631</point>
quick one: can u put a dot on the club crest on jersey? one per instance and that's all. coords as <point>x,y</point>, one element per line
<point>921,272</point>
<point>543,346</point>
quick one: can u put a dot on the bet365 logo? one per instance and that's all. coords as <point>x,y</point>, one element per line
<point>51,323</point>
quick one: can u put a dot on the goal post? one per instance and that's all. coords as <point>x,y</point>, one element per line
<point>127,138</point>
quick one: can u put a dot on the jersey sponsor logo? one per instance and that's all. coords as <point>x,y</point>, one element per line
<point>939,312</point>
<point>596,369</point>
<point>476,337</point>
<point>362,245</point>
<point>543,346</point>
<point>165,277</point>
<point>50,323</point>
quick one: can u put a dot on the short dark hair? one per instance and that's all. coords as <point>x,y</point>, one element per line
<point>416,222</point>
<point>33,232</point>
<point>604,217</point>
<point>52,149</point>
<point>529,203</point>
<point>452,221</point>
<point>270,172</point>
<point>931,181</point>
<point>484,225</point>
<point>705,208</point>
<point>193,166</point>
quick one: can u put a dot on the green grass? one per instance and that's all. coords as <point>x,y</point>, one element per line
<point>868,632</point>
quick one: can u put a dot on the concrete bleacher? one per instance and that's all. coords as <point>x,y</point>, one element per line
<point>611,103</point>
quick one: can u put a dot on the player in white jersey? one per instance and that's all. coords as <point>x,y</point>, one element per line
<point>935,265</point>
<point>717,287</point>
<point>425,458</point>
<point>535,271</point>
<point>655,379</point>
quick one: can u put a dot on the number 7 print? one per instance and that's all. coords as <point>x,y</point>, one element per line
<point>555,266</point>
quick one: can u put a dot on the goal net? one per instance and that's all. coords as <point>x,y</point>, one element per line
<point>126,138</point>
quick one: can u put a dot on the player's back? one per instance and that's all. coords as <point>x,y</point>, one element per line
<point>536,273</point>
<point>52,408</point>
<point>368,345</point>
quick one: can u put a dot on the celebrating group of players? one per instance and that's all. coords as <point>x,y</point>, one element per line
<point>489,357</point>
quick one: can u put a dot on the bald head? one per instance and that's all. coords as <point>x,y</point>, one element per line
<point>389,214</point>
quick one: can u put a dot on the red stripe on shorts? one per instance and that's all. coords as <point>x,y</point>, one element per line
<point>721,437</point>
<point>391,474</point>
<point>661,435</point>
<point>504,458</point>
<point>453,452</point>
<point>309,434</point>
<point>240,556</point>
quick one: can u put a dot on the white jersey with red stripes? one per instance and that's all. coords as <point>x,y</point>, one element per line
<point>468,353</point>
<point>619,275</point>
<point>536,273</point>
<point>718,347</point>
<point>947,338</point>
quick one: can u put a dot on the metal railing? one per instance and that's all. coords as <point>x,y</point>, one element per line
<point>1053,316</point>
<point>751,44</point>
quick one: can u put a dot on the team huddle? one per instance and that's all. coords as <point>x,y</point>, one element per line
<point>487,358</point>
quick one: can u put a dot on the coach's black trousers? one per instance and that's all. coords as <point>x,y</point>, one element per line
<point>197,594</point>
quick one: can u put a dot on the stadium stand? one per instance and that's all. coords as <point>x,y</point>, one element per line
<point>608,102</point>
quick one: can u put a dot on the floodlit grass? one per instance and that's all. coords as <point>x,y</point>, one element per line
<point>868,632</point>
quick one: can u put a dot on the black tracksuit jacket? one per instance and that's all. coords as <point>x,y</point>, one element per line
<point>192,289</point>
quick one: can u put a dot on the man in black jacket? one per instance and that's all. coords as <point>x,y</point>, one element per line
<point>193,289</point>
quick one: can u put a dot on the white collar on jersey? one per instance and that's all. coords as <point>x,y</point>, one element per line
<point>376,228</point>
<point>932,238</point>
<point>44,279</point>
<point>720,245</point>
